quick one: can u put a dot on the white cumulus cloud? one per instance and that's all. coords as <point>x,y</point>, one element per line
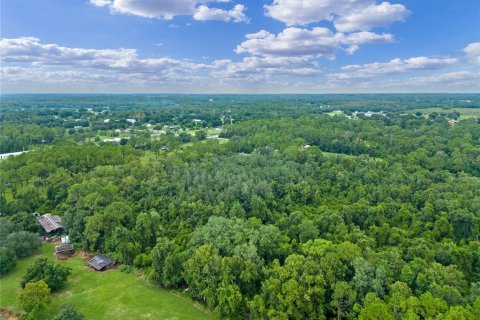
<point>168,9</point>
<point>28,61</point>
<point>237,14</point>
<point>347,15</point>
<point>313,42</point>
<point>451,78</point>
<point>459,81</point>
<point>394,66</point>
<point>101,3</point>
<point>372,16</point>
<point>277,65</point>
<point>265,67</point>
<point>473,52</point>
<point>31,50</point>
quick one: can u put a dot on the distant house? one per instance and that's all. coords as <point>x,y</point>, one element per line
<point>165,148</point>
<point>175,127</point>
<point>132,121</point>
<point>64,251</point>
<point>197,121</point>
<point>101,263</point>
<point>50,223</point>
<point>4,156</point>
<point>116,140</point>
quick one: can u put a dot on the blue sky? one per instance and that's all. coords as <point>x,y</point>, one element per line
<point>222,46</point>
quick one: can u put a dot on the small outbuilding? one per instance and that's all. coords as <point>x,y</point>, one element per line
<point>50,223</point>
<point>101,263</point>
<point>175,127</point>
<point>64,251</point>
<point>65,239</point>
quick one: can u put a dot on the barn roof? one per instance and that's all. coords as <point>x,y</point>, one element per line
<point>101,261</point>
<point>63,248</point>
<point>50,223</point>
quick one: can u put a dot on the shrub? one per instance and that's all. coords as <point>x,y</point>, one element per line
<point>8,260</point>
<point>34,294</point>
<point>68,312</point>
<point>23,243</point>
<point>53,274</point>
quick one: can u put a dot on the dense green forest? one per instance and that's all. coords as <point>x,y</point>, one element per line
<point>291,213</point>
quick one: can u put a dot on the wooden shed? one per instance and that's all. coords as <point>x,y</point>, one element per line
<point>101,263</point>
<point>64,251</point>
<point>50,223</point>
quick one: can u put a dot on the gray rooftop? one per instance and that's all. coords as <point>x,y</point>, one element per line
<point>100,262</point>
<point>63,248</point>
<point>50,223</point>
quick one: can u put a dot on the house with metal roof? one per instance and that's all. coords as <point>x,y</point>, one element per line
<point>50,223</point>
<point>101,263</point>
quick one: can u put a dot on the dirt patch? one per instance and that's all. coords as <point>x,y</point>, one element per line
<point>7,314</point>
<point>85,255</point>
<point>53,239</point>
<point>63,256</point>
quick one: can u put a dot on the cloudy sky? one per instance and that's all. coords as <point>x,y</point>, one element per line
<point>240,46</point>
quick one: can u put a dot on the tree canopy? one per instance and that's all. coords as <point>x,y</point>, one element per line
<point>295,214</point>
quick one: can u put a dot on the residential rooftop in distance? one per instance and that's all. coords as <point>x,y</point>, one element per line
<point>4,156</point>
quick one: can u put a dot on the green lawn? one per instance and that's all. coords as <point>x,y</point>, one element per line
<point>333,154</point>
<point>464,112</point>
<point>105,295</point>
<point>333,114</point>
<point>212,131</point>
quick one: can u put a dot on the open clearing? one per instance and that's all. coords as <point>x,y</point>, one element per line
<point>104,295</point>
<point>464,112</point>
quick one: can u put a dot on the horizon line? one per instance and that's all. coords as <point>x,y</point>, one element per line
<point>231,93</point>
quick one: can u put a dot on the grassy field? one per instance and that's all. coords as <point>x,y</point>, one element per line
<point>104,295</point>
<point>333,154</point>
<point>333,114</point>
<point>464,112</point>
<point>212,131</point>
